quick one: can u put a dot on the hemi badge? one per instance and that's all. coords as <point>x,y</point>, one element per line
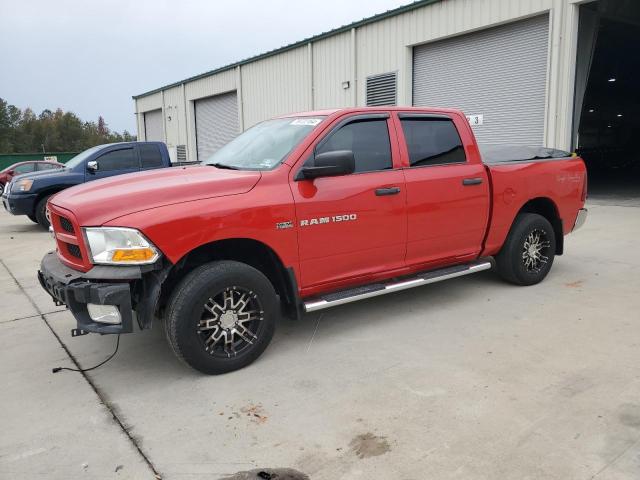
<point>283,225</point>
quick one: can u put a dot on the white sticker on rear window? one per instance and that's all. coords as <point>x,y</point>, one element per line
<point>312,122</point>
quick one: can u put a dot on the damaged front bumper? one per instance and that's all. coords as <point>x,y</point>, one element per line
<point>124,288</point>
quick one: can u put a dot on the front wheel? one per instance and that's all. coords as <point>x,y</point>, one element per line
<point>527,254</point>
<point>41,213</point>
<point>221,317</point>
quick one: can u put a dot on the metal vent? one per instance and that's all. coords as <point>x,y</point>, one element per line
<point>74,250</point>
<point>381,89</point>
<point>181,153</point>
<point>66,225</point>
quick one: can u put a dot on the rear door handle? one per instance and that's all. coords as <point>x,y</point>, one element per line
<point>380,192</point>
<point>471,181</point>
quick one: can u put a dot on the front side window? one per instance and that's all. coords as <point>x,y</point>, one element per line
<point>124,159</point>
<point>264,146</point>
<point>24,168</point>
<point>367,139</point>
<point>432,141</point>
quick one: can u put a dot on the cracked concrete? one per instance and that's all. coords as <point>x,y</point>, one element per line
<point>470,378</point>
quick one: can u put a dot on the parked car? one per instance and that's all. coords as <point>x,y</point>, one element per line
<point>301,213</point>
<point>28,194</point>
<point>25,167</point>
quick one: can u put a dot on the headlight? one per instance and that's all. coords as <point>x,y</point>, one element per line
<point>22,185</point>
<point>120,246</point>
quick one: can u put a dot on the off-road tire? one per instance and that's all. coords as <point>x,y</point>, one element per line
<point>186,307</point>
<point>41,213</point>
<point>511,261</point>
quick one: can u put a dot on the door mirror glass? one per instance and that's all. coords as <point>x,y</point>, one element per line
<point>92,166</point>
<point>337,162</point>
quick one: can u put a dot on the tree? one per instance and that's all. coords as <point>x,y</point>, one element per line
<point>53,131</point>
<point>103,131</point>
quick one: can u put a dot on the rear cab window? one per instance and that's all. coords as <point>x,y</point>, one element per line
<point>432,140</point>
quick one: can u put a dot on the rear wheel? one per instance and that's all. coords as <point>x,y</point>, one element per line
<point>528,253</point>
<point>41,213</point>
<point>33,218</point>
<point>221,317</point>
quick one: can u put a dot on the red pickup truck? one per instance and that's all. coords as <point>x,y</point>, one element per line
<point>302,213</point>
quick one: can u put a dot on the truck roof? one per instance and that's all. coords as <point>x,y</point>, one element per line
<point>315,113</point>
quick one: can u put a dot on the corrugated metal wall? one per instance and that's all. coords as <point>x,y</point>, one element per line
<point>276,85</point>
<point>175,119</point>
<point>332,65</point>
<point>311,76</point>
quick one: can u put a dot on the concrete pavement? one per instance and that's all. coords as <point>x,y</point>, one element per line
<point>470,378</point>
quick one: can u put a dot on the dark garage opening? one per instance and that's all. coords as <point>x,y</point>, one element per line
<point>607,104</point>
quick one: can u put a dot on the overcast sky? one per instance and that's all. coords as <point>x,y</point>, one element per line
<point>90,56</point>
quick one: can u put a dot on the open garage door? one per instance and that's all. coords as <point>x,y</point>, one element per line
<point>153,126</point>
<point>216,123</point>
<point>607,98</point>
<point>499,74</point>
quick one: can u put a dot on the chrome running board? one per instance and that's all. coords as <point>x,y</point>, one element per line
<point>377,289</point>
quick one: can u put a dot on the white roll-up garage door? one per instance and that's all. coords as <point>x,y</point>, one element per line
<point>499,73</point>
<point>153,126</point>
<point>216,123</point>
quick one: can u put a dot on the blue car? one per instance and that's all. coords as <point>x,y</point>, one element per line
<point>27,194</point>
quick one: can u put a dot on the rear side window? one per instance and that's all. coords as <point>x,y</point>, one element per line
<point>150,156</point>
<point>24,168</point>
<point>367,139</point>
<point>118,160</point>
<point>432,141</point>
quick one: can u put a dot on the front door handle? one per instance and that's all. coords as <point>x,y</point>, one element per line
<point>380,192</point>
<point>471,181</point>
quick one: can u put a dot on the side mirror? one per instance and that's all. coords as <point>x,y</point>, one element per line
<point>92,166</point>
<point>10,172</point>
<point>329,164</point>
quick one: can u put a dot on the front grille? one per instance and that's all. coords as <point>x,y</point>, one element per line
<point>66,225</point>
<point>69,240</point>
<point>74,250</point>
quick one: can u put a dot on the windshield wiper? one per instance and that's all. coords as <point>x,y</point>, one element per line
<point>223,165</point>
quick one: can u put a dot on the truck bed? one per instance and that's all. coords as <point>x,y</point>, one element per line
<point>495,154</point>
<point>530,174</point>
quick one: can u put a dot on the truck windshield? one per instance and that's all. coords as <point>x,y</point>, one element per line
<point>82,156</point>
<point>265,145</point>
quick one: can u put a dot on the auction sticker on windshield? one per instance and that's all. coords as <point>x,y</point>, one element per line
<point>312,122</point>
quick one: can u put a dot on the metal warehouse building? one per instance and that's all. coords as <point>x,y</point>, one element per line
<point>526,71</point>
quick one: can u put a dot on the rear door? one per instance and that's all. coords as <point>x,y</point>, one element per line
<point>447,189</point>
<point>115,162</point>
<point>353,225</point>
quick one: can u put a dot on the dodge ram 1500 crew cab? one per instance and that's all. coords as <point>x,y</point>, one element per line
<point>301,213</point>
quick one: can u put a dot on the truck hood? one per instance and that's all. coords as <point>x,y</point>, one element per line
<point>44,174</point>
<point>97,202</point>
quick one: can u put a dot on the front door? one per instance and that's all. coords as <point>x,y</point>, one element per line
<point>353,225</point>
